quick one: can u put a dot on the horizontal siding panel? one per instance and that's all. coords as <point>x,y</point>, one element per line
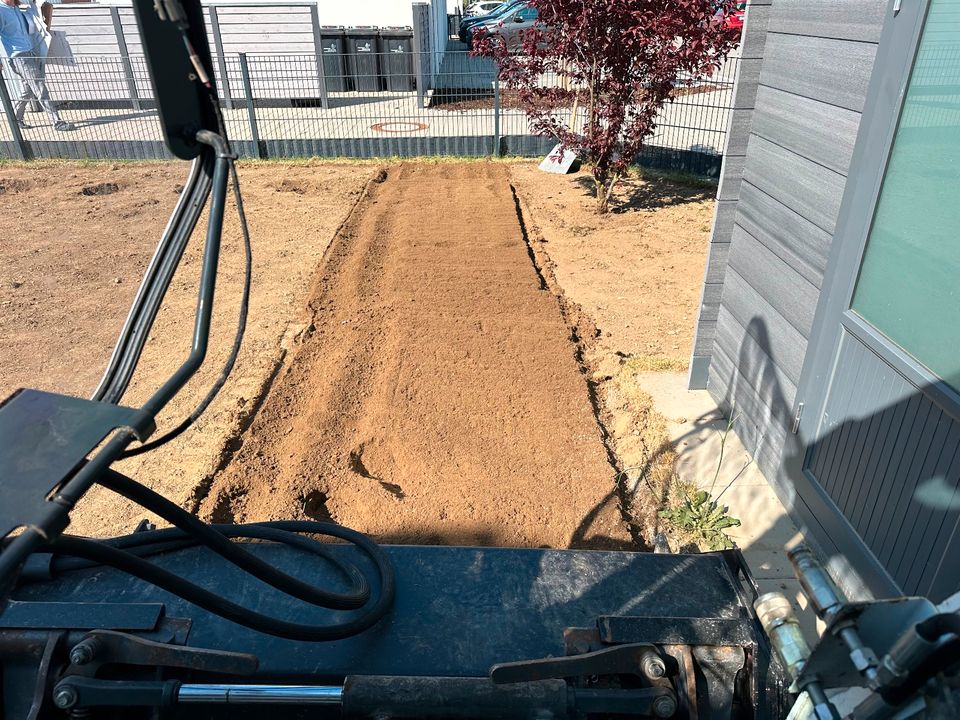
<point>236,46</point>
<point>770,383</point>
<point>732,174</point>
<point>840,19</point>
<point>755,31</point>
<point>745,91</point>
<point>810,189</point>
<point>723,215</point>
<point>818,131</point>
<point>738,132</point>
<point>796,240</point>
<point>717,262</point>
<point>703,344</point>
<point>261,11</point>
<point>780,340</point>
<point>759,427</point>
<point>832,71</point>
<point>789,293</point>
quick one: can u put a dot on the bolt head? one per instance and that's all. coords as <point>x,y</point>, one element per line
<point>64,697</point>
<point>664,706</point>
<point>81,654</point>
<point>654,668</point>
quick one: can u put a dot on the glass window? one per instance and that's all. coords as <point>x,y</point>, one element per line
<point>909,284</point>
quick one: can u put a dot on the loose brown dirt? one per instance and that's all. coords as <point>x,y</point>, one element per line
<point>636,270</point>
<point>636,273</point>
<point>428,377</point>
<point>71,258</point>
<point>437,396</point>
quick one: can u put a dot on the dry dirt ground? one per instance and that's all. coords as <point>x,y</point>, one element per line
<point>637,270</point>
<point>635,273</point>
<point>70,263</point>
<point>429,375</point>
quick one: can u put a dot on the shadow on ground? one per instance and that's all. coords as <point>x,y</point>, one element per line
<point>648,194</point>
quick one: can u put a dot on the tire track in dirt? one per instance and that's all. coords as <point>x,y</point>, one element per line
<point>436,397</point>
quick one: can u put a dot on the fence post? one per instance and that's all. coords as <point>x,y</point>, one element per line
<point>21,146</point>
<point>318,51</point>
<point>125,58</point>
<point>221,59</point>
<point>497,145</point>
<point>421,42</point>
<point>251,112</point>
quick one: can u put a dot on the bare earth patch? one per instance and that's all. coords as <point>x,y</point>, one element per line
<point>436,397</point>
<point>423,377</point>
<point>637,270</point>
<point>71,262</point>
<point>636,273</point>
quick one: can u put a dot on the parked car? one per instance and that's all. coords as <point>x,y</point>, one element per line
<point>469,22</point>
<point>507,29</point>
<point>484,7</point>
<point>734,20</point>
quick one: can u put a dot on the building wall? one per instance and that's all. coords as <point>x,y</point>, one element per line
<point>767,260</point>
<point>738,134</point>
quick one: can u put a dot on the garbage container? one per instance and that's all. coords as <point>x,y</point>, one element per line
<point>333,49</point>
<point>363,61</point>
<point>396,58</point>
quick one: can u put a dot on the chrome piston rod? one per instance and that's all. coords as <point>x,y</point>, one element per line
<point>260,694</point>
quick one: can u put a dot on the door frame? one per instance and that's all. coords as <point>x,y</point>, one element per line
<point>896,52</point>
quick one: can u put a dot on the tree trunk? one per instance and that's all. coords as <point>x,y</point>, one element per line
<point>604,191</point>
<point>602,196</point>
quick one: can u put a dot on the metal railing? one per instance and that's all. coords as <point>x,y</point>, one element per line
<point>340,105</point>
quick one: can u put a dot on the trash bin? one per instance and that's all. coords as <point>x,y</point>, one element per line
<point>363,61</point>
<point>396,58</point>
<point>333,49</point>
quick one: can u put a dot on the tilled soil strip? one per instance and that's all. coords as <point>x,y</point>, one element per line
<point>436,397</point>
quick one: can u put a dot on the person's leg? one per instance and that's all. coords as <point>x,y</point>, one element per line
<point>26,88</point>
<point>32,72</point>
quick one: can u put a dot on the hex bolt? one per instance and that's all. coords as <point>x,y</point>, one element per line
<point>64,697</point>
<point>83,652</point>
<point>664,706</point>
<point>653,666</point>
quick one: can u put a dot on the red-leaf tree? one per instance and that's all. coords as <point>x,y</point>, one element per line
<point>617,62</point>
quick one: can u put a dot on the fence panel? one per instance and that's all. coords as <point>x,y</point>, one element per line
<point>351,104</point>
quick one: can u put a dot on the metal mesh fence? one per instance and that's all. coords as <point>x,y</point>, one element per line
<point>376,104</point>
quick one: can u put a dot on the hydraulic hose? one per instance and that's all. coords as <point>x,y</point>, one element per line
<point>104,554</point>
<point>221,544</point>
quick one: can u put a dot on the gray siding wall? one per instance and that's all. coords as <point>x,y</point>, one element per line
<point>738,134</point>
<point>756,315</point>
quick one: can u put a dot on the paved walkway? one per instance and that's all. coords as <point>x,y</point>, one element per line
<point>696,427</point>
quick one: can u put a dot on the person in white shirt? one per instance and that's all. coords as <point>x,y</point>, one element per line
<point>22,34</point>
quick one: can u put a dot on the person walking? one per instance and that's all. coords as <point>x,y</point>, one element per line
<point>23,36</point>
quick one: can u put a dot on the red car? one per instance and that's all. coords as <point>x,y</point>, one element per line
<point>734,20</point>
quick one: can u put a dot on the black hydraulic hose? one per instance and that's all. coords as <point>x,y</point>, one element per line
<point>156,542</point>
<point>106,555</point>
<point>237,340</point>
<point>171,539</point>
<point>156,280</point>
<point>219,543</point>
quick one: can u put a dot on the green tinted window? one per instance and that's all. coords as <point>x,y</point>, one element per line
<point>909,284</point>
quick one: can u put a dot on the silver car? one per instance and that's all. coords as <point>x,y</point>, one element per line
<point>483,7</point>
<point>509,29</point>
